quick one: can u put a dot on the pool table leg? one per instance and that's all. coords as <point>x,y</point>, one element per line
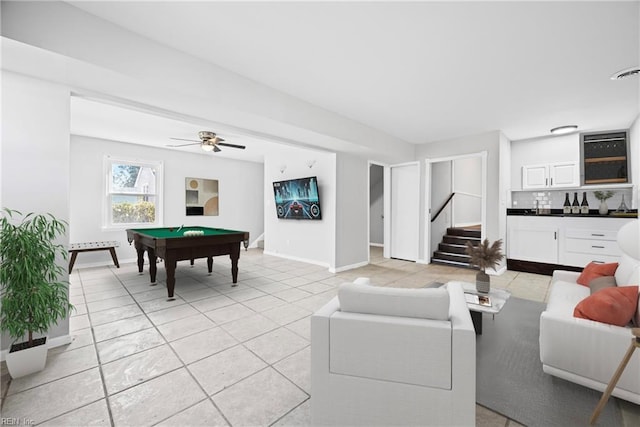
<point>210,264</point>
<point>170,267</point>
<point>234,255</point>
<point>140,251</point>
<point>153,268</point>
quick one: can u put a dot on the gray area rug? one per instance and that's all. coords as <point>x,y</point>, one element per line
<point>510,380</point>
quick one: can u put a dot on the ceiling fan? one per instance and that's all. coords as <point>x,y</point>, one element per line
<point>209,142</point>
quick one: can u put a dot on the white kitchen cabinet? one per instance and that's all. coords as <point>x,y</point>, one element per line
<point>551,175</point>
<point>535,176</point>
<point>533,238</point>
<point>571,241</point>
<point>563,175</point>
<point>586,240</point>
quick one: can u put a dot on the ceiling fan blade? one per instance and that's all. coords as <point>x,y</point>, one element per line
<point>216,149</point>
<point>182,145</point>
<point>242,147</point>
<point>182,139</point>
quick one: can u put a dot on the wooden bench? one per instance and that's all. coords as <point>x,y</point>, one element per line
<point>110,246</point>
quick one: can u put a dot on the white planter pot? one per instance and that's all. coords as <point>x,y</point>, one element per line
<point>603,209</point>
<point>28,361</point>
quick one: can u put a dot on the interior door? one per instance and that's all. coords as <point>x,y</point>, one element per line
<point>405,207</point>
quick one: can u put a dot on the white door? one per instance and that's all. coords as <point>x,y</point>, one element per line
<point>405,206</point>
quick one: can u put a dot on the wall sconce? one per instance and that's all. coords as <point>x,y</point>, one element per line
<point>283,168</point>
<point>310,163</point>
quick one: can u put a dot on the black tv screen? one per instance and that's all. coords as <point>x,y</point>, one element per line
<point>297,198</point>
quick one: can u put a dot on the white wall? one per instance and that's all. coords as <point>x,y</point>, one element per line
<point>306,240</point>
<point>376,204</point>
<point>240,189</point>
<point>35,155</point>
<point>634,152</point>
<point>352,234</point>
<point>467,173</point>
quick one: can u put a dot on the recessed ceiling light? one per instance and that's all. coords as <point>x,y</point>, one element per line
<point>562,130</point>
<point>623,74</point>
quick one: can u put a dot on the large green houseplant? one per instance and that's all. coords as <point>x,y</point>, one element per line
<point>34,297</point>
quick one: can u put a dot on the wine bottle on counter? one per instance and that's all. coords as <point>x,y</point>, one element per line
<point>584,206</point>
<point>566,208</point>
<point>575,206</point>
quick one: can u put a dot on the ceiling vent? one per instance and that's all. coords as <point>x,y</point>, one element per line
<point>626,73</point>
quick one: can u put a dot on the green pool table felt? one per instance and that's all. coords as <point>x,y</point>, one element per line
<point>172,232</point>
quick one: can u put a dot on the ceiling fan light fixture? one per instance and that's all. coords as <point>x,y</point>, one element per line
<point>207,147</point>
<point>623,74</point>
<point>563,130</point>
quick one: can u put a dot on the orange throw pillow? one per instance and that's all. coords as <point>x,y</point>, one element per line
<point>615,306</point>
<point>594,269</point>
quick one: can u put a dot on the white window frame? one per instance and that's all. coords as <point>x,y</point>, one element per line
<point>107,219</point>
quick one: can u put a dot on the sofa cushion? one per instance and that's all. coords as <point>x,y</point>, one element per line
<point>628,270</point>
<point>425,303</point>
<point>615,306</point>
<point>593,270</point>
<point>602,282</point>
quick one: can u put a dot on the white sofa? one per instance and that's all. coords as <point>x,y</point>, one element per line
<point>381,360</point>
<point>584,351</point>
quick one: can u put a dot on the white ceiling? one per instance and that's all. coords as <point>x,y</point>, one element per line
<point>420,71</point>
<point>106,121</point>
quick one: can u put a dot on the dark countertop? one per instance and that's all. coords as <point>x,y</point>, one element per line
<point>593,213</point>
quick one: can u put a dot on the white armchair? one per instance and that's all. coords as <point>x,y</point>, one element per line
<point>392,356</point>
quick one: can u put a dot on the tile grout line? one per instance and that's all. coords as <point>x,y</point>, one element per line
<point>183,366</point>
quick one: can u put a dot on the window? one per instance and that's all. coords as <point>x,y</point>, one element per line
<point>134,190</point>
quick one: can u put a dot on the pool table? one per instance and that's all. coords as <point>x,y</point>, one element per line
<point>171,244</point>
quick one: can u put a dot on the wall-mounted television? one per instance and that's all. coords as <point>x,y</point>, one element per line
<point>297,198</point>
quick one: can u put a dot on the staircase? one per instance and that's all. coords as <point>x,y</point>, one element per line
<point>451,251</point>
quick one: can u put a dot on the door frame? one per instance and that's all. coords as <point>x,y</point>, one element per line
<point>426,259</point>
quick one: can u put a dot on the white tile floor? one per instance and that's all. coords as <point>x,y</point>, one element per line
<point>217,355</point>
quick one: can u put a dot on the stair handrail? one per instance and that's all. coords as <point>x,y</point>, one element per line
<point>443,206</point>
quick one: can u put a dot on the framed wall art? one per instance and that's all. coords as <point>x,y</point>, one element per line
<point>201,196</point>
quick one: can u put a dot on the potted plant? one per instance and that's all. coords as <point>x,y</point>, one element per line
<point>33,296</point>
<point>485,256</point>
<point>602,196</point>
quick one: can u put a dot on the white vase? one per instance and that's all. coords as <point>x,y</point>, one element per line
<point>603,209</point>
<point>28,361</point>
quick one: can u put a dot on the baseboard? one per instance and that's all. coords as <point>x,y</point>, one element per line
<point>494,272</point>
<point>106,263</point>
<point>348,267</point>
<point>294,258</point>
<point>537,267</point>
<point>51,343</point>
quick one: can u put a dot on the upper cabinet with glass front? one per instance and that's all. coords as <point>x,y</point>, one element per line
<point>604,157</point>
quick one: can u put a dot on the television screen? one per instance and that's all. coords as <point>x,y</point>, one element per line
<point>297,198</point>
